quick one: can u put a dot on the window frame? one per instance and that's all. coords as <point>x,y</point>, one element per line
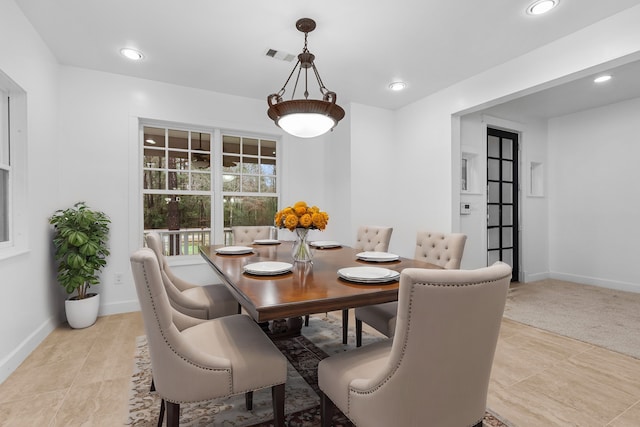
<point>14,135</point>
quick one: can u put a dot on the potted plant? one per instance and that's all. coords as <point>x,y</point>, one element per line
<point>80,239</point>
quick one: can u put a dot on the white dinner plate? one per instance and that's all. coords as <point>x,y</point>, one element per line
<point>268,268</point>
<point>234,250</point>
<point>377,256</point>
<point>368,274</point>
<point>266,242</point>
<point>325,244</point>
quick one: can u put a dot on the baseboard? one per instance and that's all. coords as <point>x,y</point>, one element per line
<point>11,362</point>
<point>595,281</point>
<point>119,307</point>
<point>534,277</point>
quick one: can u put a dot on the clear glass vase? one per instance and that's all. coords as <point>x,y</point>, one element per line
<point>301,249</point>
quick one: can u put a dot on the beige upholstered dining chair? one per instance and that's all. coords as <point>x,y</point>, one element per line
<point>440,249</point>
<point>435,371</point>
<point>204,302</point>
<point>196,360</point>
<point>369,238</point>
<point>373,238</point>
<point>246,234</point>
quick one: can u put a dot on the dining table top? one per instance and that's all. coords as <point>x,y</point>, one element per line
<point>310,287</point>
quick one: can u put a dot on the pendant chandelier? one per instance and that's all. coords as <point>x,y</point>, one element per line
<point>305,118</point>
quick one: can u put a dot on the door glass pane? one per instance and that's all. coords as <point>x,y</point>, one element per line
<point>494,192</point>
<point>493,169</point>
<point>507,193</point>
<point>494,215</point>
<point>507,237</point>
<point>507,150</point>
<point>507,170</point>
<point>493,146</point>
<point>4,205</point>
<point>507,256</point>
<point>494,238</point>
<point>492,257</point>
<point>507,215</point>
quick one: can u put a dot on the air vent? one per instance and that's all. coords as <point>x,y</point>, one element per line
<point>282,56</point>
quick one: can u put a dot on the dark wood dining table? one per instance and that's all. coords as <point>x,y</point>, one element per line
<point>308,288</point>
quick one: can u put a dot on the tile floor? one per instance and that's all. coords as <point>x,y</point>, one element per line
<point>81,378</point>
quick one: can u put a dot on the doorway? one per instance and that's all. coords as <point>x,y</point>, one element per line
<point>502,199</point>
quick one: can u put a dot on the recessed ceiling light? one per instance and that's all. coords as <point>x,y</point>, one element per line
<point>603,78</point>
<point>396,86</point>
<point>132,54</point>
<point>542,6</point>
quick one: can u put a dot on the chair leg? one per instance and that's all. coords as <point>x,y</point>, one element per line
<point>248,400</point>
<point>173,414</point>
<point>239,309</point>
<point>161,416</point>
<point>306,320</point>
<point>327,408</point>
<point>277,395</point>
<point>345,325</point>
<point>358,332</point>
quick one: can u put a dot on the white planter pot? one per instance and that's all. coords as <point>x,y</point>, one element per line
<point>82,313</point>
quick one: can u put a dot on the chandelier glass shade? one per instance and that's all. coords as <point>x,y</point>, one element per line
<point>304,117</point>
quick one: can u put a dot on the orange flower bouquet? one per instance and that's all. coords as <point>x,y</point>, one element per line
<point>301,218</point>
<point>301,215</point>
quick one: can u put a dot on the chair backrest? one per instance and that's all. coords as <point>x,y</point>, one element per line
<point>442,351</point>
<point>154,242</point>
<point>440,249</point>
<point>176,364</point>
<point>246,234</point>
<point>373,238</point>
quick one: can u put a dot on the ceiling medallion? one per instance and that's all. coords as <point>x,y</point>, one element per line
<point>304,117</point>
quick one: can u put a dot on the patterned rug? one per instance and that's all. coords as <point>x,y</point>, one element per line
<point>321,338</point>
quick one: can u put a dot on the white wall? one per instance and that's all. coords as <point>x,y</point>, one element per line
<point>593,196</point>
<point>30,302</point>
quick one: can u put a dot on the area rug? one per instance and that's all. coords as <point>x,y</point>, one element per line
<point>321,338</point>
<point>604,317</point>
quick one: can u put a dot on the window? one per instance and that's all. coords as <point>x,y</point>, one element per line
<point>182,177</point>
<point>5,166</point>
<point>13,184</point>
<point>249,187</point>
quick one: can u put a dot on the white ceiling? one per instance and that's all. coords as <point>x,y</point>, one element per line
<point>360,45</point>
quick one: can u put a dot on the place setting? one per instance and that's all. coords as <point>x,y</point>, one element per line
<point>234,250</point>
<point>268,268</point>
<point>368,275</point>
<point>325,244</point>
<point>266,242</point>
<point>371,256</point>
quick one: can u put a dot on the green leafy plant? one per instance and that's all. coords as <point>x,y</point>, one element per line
<point>80,239</point>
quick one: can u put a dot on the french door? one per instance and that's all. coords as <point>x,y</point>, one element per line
<point>502,198</point>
